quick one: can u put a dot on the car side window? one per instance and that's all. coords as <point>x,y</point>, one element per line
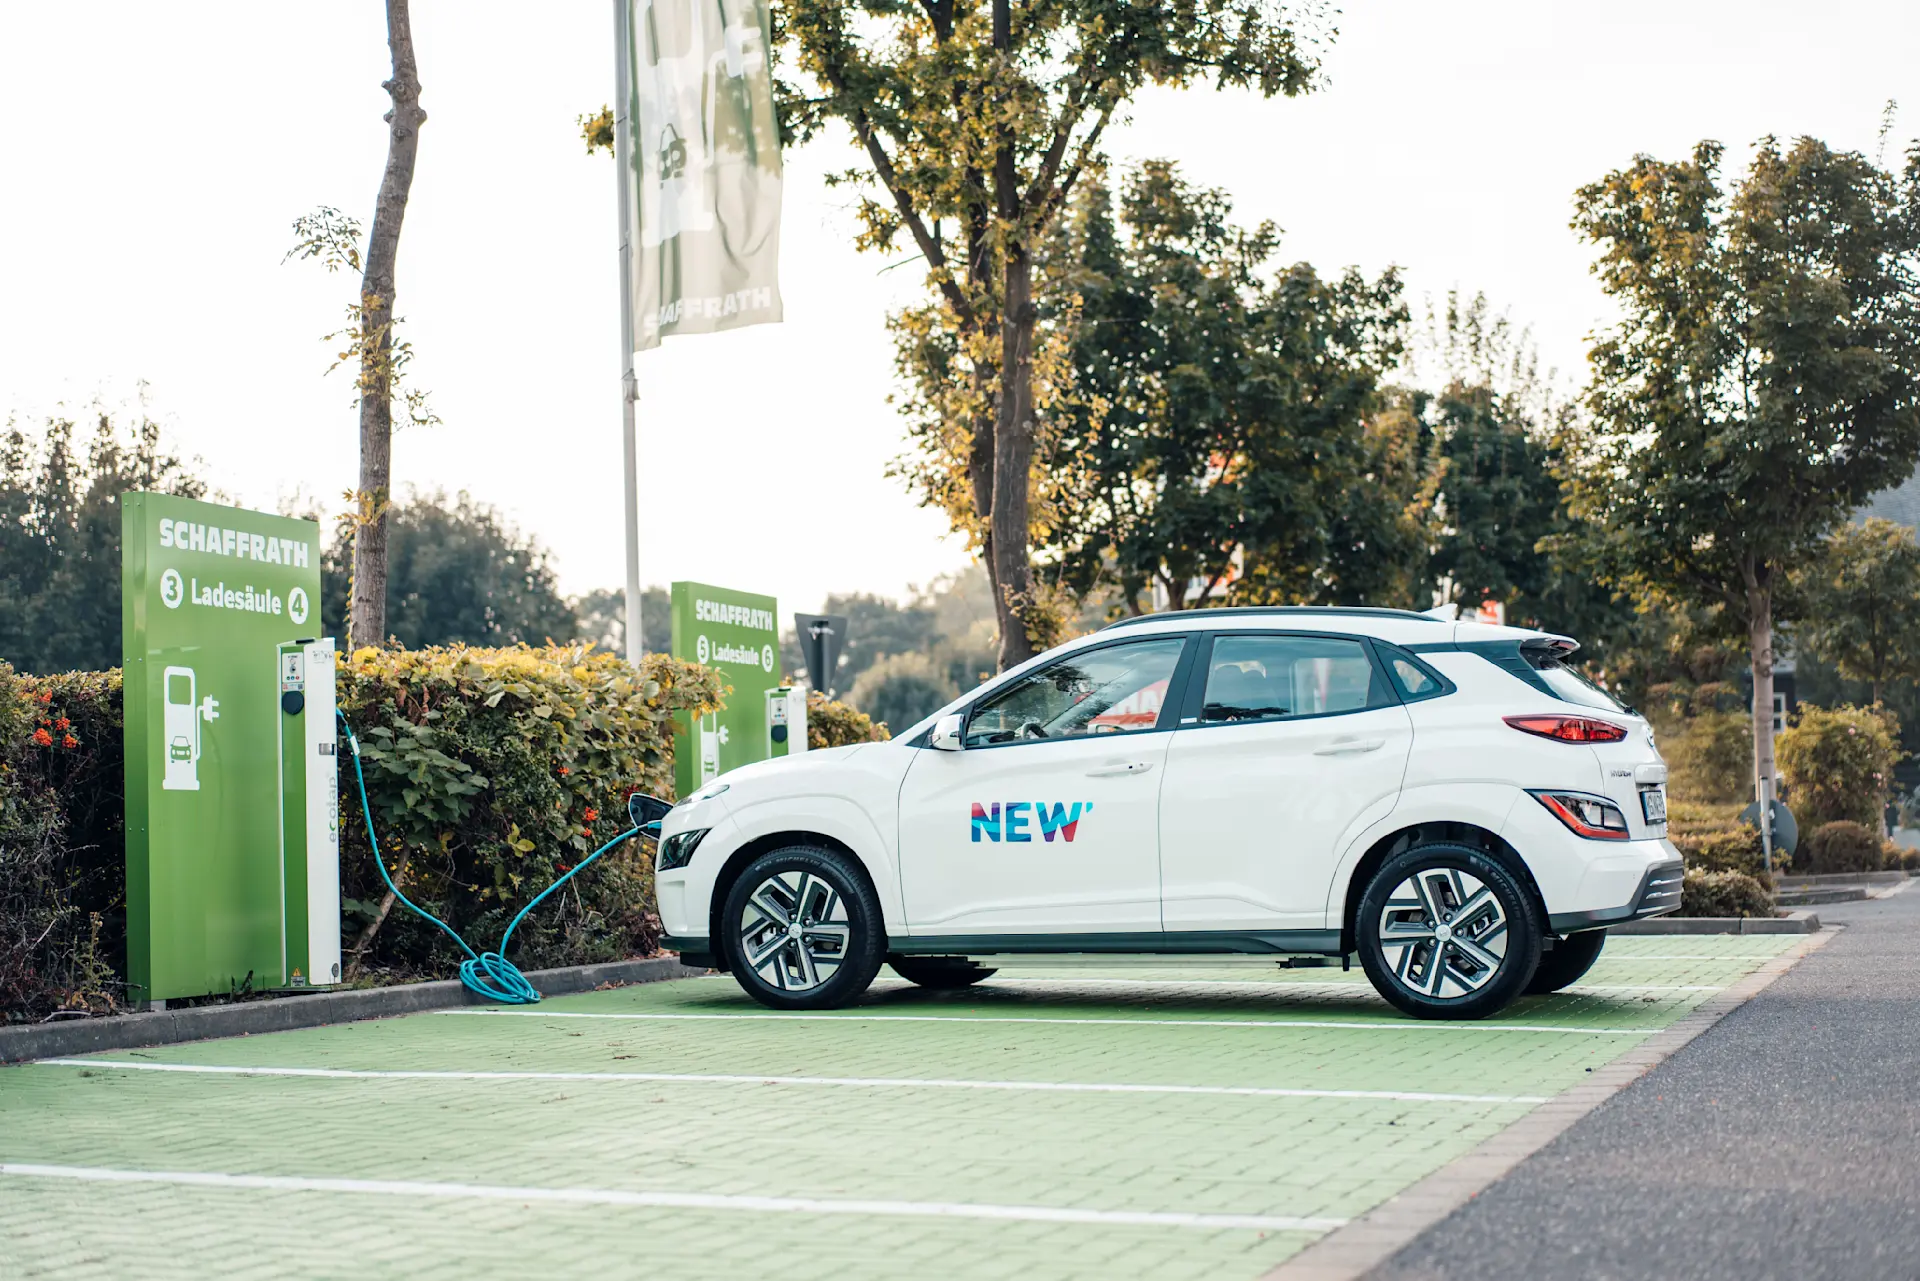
<point>1110,690</point>
<point>1414,679</point>
<point>1260,678</point>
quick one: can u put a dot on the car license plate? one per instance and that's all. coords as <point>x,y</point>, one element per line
<point>1653,804</point>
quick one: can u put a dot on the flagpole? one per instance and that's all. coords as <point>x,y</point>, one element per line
<point>629,388</point>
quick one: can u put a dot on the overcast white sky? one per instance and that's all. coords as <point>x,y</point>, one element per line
<point>152,157</point>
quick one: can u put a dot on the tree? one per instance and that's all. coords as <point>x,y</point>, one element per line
<point>975,122</point>
<point>1763,380</point>
<point>1220,439</point>
<point>458,573</point>
<point>333,238</point>
<point>1861,604</point>
<point>60,537</point>
<point>898,689</point>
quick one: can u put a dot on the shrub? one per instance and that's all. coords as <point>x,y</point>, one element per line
<point>492,771</point>
<point>1839,764</point>
<point>831,724</point>
<point>1713,838</point>
<point>1704,893</point>
<point>62,859</point>
<point>1842,846</point>
<point>1710,758</point>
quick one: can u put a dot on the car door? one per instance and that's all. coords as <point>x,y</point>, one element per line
<point>1047,819</point>
<point>1288,745</point>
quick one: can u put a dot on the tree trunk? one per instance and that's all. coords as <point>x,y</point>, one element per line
<point>1012,461</point>
<point>1760,635</point>
<point>367,598</point>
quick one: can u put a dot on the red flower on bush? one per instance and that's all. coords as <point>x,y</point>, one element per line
<point>42,739</point>
<point>63,723</point>
<point>592,814</point>
<point>69,742</point>
<point>565,770</point>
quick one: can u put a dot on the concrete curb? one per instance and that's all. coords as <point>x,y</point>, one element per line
<point>1822,894</point>
<point>1348,1253</point>
<point>279,1014</point>
<point>1791,923</point>
<point>1841,878</point>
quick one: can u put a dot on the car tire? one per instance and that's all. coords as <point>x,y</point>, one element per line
<point>831,958</point>
<point>939,973</point>
<point>1568,962</point>
<point>1405,932</point>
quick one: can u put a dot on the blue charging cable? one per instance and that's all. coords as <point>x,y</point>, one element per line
<point>490,974</point>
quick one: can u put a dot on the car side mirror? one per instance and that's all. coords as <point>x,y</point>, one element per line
<point>643,809</point>
<point>948,733</point>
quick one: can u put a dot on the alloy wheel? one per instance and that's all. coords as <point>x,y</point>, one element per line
<point>1443,933</point>
<point>794,930</point>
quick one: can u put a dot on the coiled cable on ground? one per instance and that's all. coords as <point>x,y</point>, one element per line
<point>490,974</point>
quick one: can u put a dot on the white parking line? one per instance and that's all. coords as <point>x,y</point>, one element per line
<point>879,1082</point>
<point>1335,986</point>
<point>678,1200</point>
<point>1410,1025</point>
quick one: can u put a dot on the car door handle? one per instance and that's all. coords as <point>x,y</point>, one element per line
<point>1352,747</point>
<point>1119,767</point>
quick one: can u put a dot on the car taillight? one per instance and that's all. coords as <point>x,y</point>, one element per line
<point>1589,816</point>
<point>1569,729</point>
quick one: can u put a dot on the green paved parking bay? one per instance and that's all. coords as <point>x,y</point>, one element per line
<point>1051,1123</point>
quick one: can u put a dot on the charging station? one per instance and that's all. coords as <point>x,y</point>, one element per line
<point>309,813</point>
<point>233,820</point>
<point>786,721</point>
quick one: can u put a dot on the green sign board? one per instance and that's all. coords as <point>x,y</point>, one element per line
<point>736,633</point>
<point>208,595</point>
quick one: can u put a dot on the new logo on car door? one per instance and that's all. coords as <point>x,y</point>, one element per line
<point>1016,821</point>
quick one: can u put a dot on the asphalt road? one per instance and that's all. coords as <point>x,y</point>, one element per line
<point>1784,1142</point>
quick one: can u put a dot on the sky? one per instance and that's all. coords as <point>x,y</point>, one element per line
<point>154,157</point>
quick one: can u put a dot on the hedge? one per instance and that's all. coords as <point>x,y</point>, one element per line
<point>1838,764</point>
<point>490,771</point>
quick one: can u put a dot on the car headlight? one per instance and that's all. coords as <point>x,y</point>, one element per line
<point>677,850</point>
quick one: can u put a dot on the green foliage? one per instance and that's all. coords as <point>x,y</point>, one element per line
<point>1843,846</point>
<point>831,724</point>
<point>975,123</point>
<point>1764,377</point>
<point>62,861</point>
<point>1713,839</point>
<point>60,536</point>
<point>900,689</point>
<point>457,573</point>
<point>1861,604</point>
<point>1709,757</point>
<point>492,771</point>
<point>1218,431</point>
<point>1839,764</point>
<point>1704,893</point>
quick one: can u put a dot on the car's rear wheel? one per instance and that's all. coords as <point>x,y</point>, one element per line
<point>1447,932</point>
<point>939,972</point>
<point>1568,962</point>
<point>802,930</point>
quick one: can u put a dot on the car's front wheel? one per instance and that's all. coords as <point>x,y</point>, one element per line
<point>1447,932</point>
<point>802,929</point>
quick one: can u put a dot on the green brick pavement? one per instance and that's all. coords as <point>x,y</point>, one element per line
<point>1284,1158</point>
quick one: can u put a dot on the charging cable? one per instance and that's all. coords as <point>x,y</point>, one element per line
<point>490,974</point>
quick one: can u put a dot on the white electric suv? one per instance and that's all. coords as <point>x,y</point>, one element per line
<point>1446,799</point>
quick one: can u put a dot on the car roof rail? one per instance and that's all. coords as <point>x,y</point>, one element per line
<point>1276,611</point>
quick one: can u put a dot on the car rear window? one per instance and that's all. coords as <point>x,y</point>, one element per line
<point>1568,683</point>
